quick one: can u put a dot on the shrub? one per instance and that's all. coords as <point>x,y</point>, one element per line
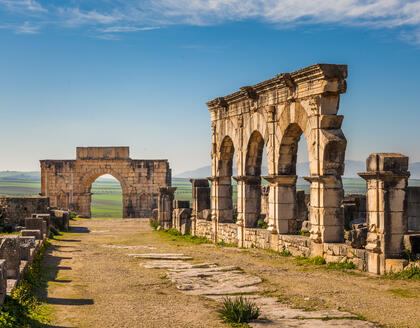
<point>262,224</point>
<point>154,223</point>
<point>410,273</point>
<point>239,310</point>
<point>346,265</point>
<point>316,260</point>
<point>285,252</point>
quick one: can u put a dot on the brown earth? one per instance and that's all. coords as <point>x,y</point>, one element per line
<point>93,284</point>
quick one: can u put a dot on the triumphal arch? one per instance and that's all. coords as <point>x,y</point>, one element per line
<point>68,182</point>
<point>274,114</point>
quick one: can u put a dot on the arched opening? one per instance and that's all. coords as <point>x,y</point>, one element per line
<point>251,190</point>
<point>222,188</point>
<point>106,199</point>
<point>291,191</point>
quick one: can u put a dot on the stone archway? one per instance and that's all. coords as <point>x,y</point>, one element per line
<point>275,113</point>
<point>140,179</point>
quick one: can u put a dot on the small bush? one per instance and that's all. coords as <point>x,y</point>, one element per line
<point>262,224</point>
<point>285,252</point>
<point>154,223</point>
<point>410,273</point>
<point>239,310</point>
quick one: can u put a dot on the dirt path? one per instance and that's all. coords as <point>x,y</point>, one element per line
<point>93,283</point>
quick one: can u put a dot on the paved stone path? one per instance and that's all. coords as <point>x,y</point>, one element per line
<point>218,282</point>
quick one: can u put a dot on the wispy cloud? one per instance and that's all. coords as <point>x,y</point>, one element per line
<point>120,16</point>
<point>127,29</point>
<point>27,28</point>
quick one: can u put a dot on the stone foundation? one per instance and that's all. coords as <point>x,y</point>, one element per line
<point>18,208</point>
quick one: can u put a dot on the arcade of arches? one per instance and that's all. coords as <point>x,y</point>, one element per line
<point>274,114</point>
<point>68,182</point>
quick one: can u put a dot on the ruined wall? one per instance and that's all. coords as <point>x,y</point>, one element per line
<point>228,233</point>
<point>18,208</point>
<point>68,182</point>
<point>413,208</point>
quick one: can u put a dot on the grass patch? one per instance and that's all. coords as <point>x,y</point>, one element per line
<point>410,273</point>
<point>316,260</point>
<point>238,311</point>
<point>177,236</point>
<point>341,266</point>
<point>223,244</point>
<point>406,293</point>
<point>22,309</point>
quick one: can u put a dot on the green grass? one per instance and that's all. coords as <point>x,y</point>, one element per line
<point>22,309</point>
<point>175,235</point>
<point>410,273</point>
<point>239,311</point>
<point>405,293</point>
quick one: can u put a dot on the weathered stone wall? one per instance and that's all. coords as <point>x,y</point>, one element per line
<point>295,244</point>
<point>413,208</point>
<point>204,229</point>
<point>228,233</point>
<point>254,237</point>
<point>18,208</point>
<point>340,252</point>
<point>68,182</point>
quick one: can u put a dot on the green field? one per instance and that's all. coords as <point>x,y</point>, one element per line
<point>107,197</point>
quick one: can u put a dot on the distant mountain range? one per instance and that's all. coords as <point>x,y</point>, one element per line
<point>302,169</point>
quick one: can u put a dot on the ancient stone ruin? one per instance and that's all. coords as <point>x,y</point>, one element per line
<point>273,115</point>
<point>68,182</point>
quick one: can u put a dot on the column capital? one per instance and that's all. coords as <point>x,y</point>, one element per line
<point>321,178</point>
<point>286,180</point>
<point>167,190</point>
<point>383,175</point>
<point>248,178</point>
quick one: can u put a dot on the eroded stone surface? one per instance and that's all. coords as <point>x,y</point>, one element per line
<point>218,282</point>
<point>167,256</point>
<point>128,247</point>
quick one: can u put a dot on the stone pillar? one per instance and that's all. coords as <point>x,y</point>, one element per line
<point>282,204</point>
<point>166,197</point>
<point>201,200</point>
<point>386,179</point>
<point>221,198</point>
<point>325,212</point>
<point>249,200</point>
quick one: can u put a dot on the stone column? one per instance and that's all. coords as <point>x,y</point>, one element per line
<point>82,203</point>
<point>221,199</point>
<point>282,204</point>
<point>325,212</point>
<point>165,202</point>
<point>201,200</point>
<point>386,179</point>
<point>249,200</point>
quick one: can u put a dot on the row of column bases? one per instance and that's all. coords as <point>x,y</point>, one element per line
<point>386,177</point>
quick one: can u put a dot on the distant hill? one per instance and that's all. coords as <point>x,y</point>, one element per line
<point>20,175</point>
<point>302,169</point>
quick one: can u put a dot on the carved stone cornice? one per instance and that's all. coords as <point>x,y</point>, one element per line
<point>333,75</point>
<point>248,178</point>
<point>287,180</point>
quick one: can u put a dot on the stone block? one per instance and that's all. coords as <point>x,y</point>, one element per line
<point>34,233</point>
<point>36,224</point>
<point>393,162</point>
<point>181,204</point>
<point>395,265</point>
<point>3,281</point>
<point>10,251</point>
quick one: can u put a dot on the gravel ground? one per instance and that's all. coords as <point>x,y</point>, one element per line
<point>93,283</point>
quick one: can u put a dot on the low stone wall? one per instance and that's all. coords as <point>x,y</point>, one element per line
<point>18,208</point>
<point>204,229</point>
<point>228,233</point>
<point>342,252</point>
<point>17,254</point>
<point>254,237</point>
<point>295,244</point>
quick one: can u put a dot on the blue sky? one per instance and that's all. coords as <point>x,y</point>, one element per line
<point>138,73</point>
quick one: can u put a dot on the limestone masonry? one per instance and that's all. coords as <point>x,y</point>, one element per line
<point>68,182</point>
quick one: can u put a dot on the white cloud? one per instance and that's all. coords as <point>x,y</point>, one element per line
<point>125,29</point>
<point>27,28</point>
<point>22,5</point>
<point>120,16</point>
